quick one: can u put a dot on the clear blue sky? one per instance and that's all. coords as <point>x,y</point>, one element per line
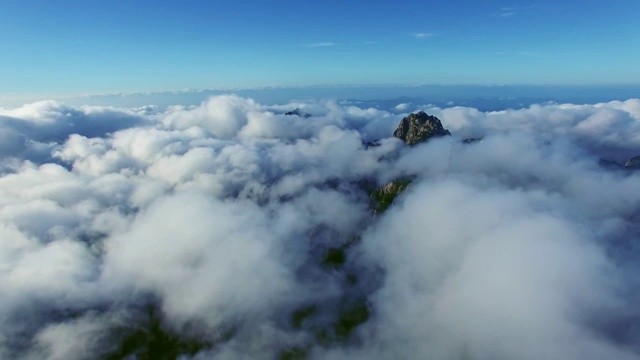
<point>93,46</point>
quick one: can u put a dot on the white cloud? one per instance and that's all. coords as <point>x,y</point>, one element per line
<point>402,107</point>
<point>218,217</point>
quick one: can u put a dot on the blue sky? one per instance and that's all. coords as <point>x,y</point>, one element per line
<point>91,46</point>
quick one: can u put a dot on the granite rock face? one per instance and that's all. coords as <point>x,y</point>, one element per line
<point>419,127</point>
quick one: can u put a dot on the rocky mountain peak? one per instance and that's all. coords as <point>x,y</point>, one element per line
<point>419,127</point>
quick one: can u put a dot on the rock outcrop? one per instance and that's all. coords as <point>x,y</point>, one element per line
<point>419,127</point>
<point>633,163</point>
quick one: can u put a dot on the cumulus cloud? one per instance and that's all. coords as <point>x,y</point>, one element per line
<point>31,130</point>
<point>608,130</point>
<point>235,229</point>
<point>402,107</point>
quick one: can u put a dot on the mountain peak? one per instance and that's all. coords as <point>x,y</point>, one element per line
<point>419,127</point>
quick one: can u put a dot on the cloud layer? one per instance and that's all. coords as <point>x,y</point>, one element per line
<point>231,230</point>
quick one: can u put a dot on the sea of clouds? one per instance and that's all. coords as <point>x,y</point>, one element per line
<point>211,222</point>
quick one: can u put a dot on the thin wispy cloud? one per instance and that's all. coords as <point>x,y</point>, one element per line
<point>518,53</point>
<point>321,44</point>
<point>422,35</point>
<point>510,11</point>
